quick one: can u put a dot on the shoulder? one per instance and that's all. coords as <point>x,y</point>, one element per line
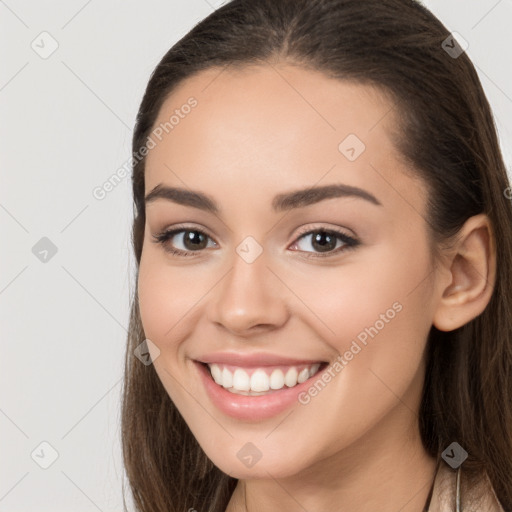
<point>488,500</point>
<point>481,497</point>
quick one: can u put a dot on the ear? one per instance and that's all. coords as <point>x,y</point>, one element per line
<point>471,270</point>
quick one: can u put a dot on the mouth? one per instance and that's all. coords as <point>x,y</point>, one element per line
<point>263,380</point>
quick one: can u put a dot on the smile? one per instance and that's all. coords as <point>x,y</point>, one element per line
<point>260,381</point>
<point>255,387</point>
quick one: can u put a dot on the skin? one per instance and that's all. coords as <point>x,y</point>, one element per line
<point>261,131</point>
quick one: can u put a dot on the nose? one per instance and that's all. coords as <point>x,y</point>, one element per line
<point>249,299</point>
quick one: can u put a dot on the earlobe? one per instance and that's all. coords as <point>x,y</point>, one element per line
<point>472,269</point>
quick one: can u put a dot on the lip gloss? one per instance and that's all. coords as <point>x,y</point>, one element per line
<point>251,408</point>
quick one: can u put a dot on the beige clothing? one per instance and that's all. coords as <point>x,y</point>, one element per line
<point>481,499</point>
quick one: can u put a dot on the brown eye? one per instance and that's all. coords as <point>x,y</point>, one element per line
<point>325,242</point>
<point>194,240</point>
<point>191,240</point>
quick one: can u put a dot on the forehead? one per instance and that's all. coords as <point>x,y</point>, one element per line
<point>274,127</point>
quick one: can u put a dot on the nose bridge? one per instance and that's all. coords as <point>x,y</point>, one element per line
<point>249,294</point>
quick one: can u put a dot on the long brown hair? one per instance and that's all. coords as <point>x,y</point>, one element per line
<point>446,134</point>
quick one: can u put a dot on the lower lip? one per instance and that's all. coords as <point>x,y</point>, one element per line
<point>252,408</point>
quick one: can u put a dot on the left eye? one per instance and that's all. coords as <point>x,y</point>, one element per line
<point>194,241</point>
<point>326,241</point>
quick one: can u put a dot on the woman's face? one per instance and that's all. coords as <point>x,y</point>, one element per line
<point>271,283</point>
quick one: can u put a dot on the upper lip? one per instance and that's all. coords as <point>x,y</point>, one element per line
<point>253,359</point>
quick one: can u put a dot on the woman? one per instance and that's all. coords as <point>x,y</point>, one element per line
<point>324,261</point>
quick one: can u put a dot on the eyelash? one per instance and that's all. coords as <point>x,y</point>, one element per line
<point>350,242</point>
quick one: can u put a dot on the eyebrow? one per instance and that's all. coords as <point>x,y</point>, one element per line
<point>281,202</point>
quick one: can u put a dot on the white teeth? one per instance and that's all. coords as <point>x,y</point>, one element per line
<point>260,381</point>
<point>277,379</point>
<point>313,369</point>
<point>290,378</point>
<point>303,375</point>
<point>241,380</point>
<point>216,373</point>
<point>227,378</point>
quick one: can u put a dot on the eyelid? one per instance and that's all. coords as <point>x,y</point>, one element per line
<point>174,228</point>
<point>318,226</point>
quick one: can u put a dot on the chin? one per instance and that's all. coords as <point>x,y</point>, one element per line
<point>243,459</point>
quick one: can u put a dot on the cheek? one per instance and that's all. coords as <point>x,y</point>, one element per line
<point>384,290</point>
<point>166,304</point>
<point>167,297</point>
<point>376,316</point>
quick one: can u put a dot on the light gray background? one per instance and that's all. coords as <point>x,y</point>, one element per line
<point>66,125</point>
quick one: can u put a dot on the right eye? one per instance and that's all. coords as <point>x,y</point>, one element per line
<point>191,238</point>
